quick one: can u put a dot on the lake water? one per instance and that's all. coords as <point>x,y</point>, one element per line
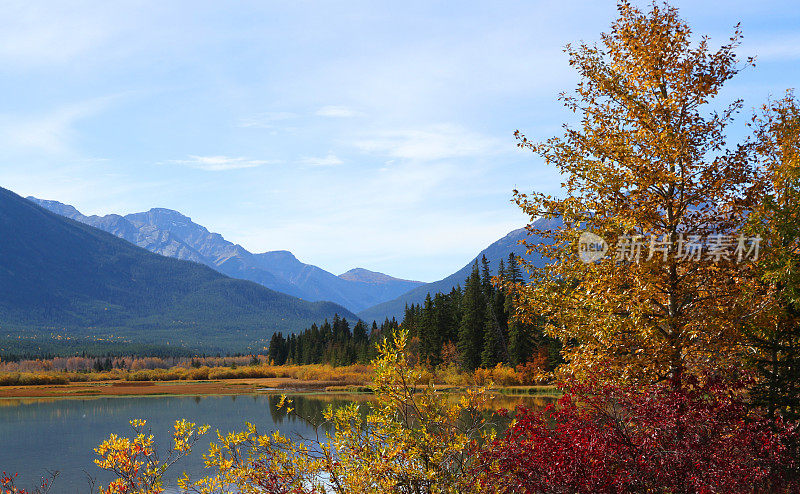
<point>37,435</point>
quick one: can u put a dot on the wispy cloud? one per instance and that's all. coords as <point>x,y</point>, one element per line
<point>776,48</point>
<point>433,143</point>
<point>52,132</point>
<point>38,34</point>
<point>338,112</point>
<point>329,160</point>
<point>267,120</point>
<point>220,163</point>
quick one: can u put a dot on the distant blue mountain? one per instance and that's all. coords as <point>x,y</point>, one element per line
<point>494,253</point>
<point>172,234</point>
<point>59,276</point>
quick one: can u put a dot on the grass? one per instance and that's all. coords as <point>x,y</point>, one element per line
<point>351,378</point>
<point>329,375</point>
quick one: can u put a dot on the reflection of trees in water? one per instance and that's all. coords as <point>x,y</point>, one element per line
<point>308,409</point>
<point>530,402</point>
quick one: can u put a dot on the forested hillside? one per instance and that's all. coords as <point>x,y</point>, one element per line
<point>61,280</point>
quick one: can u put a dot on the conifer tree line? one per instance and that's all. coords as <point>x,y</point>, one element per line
<point>330,343</point>
<point>470,327</point>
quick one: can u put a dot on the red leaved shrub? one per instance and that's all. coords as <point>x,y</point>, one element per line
<point>609,439</point>
<point>8,484</point>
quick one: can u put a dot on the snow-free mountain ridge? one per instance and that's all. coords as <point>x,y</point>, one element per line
<point>494,253</point>
<point>172,234</point>
<point>66,282</point>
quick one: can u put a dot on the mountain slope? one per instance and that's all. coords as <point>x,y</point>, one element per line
<point>59,275</point>
<point>498,250</point>
<point>367,276</point>
<point>172,234</point>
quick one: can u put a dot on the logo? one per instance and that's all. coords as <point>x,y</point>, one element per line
<point>591,247</point>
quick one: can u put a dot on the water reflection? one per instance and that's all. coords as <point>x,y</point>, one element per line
<point>60,434</point>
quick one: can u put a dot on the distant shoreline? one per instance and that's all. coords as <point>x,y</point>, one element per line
<point>99,389</point>
<point>156,388</point>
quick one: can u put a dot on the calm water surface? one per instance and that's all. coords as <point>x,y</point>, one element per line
<point>37,435</point>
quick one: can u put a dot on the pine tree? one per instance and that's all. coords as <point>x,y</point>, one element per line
<point>430,344</point>
<point>495,348</point>
<point>513,273</point>
<point>473,321</point>
<point>520,345</point>
<point>490,356</point>
<point>446,317</point>
<point>359,333</point>
<point>486,278</point>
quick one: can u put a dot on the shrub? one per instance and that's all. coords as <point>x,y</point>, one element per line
<point>8,484</point>
<point>610,439</point>
<point>504,376</point>
<point>411,440</point>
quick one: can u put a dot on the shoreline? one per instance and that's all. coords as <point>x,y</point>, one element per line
<point>98,389</point>
<point>161,388</point>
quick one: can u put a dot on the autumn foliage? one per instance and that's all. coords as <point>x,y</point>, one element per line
<point>411,439</point>
<point>647,166</point>
<point>9,484</point>
<point>703,438</point>
<point>655,338</point>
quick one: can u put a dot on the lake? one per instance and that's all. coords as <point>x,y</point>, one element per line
<point>37,435</point>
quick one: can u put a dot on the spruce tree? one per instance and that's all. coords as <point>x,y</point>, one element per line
<point>473,321</point>
<point>430,344</point>
<point>513,273</point>
<point>486,278</point>
<point>446,319</point>
<point>495,349</point>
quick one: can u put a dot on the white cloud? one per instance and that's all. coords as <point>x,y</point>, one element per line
<point>220,163</point>
<point>338,112</point>
<point>329,160</point>
<point>433,143</point>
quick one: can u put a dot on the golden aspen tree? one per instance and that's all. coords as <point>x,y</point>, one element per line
<point>647,169</point>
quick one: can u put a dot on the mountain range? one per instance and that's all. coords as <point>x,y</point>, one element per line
<point>494,253</point>
<point>65,279</point>
<point>371,295</point>
<point>173,234</point>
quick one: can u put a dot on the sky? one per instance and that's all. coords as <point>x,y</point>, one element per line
<point>354,134</point>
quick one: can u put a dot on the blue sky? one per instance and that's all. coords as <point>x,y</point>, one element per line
<point>372,134</point>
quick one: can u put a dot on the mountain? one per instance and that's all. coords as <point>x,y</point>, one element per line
<point>172,234</point>
<point>367,276</point>
<point>494,253</point>
<point>63,278</point>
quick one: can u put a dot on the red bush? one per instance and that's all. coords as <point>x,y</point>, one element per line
<point>607,439</point>
<point>8,484</point>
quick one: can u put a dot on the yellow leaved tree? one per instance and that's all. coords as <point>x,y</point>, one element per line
<point>411,439</point>
<point>647,169</point>
<point>136,461</point>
